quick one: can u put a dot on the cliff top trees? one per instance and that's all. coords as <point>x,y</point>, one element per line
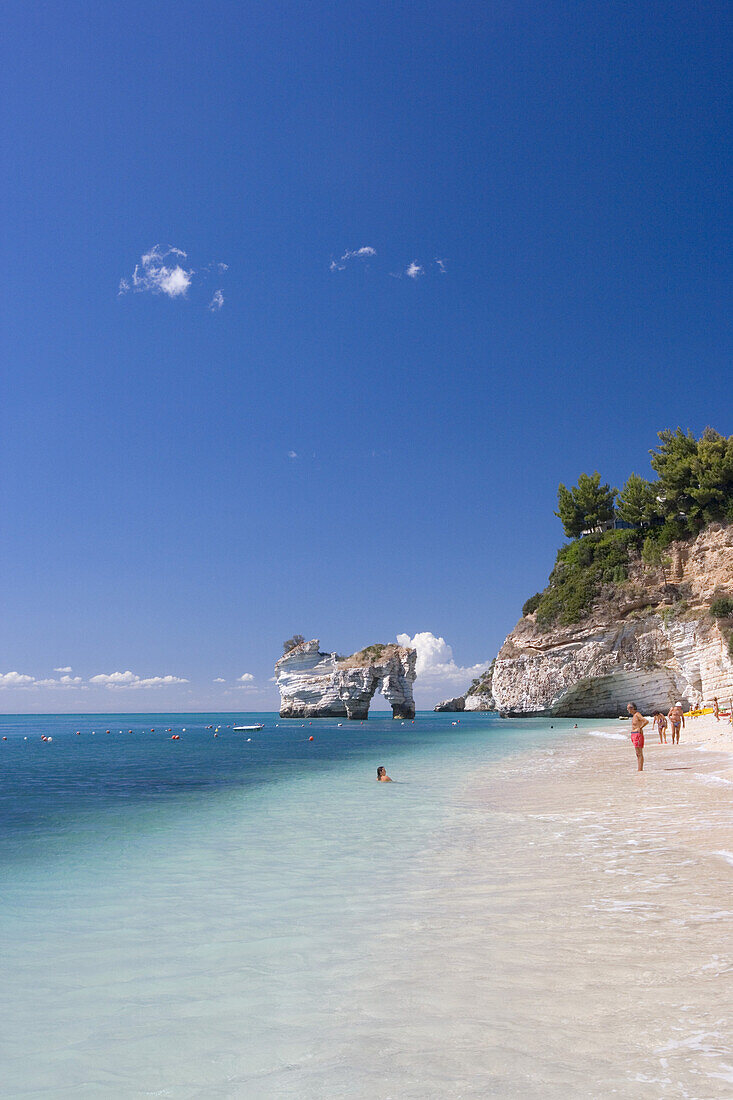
<point>637,502</point>
<point>584,506</point>
<point>297,639</point>
<point>695,476</point>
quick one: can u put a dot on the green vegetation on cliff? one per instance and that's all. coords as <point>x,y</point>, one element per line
<point>693,488</point>
<point>581,568</point>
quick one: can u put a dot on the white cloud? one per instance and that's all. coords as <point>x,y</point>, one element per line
<point>67,668</point>
<point>292,454</point>
<point>435,667</point>
<point>15,679</point>
<point>414,270</point>
<point>131,680</point>
<point>157,277</point>
<point>217,301</point>
<point>362,253</point>
<point>62,682</point>
<point>219,680</point>
<point>441,266</point>
<point>246,678</point>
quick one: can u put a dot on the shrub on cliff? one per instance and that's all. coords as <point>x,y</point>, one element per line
<point>722,608</point>
<point>581,568</point>
<point>531,604</point>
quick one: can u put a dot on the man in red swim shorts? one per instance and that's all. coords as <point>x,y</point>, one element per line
<point>638,721</point>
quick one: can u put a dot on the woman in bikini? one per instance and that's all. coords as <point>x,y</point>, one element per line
<point>661,723</point>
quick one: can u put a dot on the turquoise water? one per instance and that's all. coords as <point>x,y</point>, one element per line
<point>187,918</point>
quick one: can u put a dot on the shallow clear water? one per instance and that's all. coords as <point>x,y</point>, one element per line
<point>179,915</point>
<point>213,917</point>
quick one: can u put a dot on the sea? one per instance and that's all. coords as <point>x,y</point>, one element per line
<point>189,911</point>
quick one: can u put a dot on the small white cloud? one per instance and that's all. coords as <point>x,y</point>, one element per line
<point>441,266</point>
<point>67,668</point>
<point>414,270</point>
<point>219,680</point>
<point>15,679</point>
<point>292,454</point>
<point>174,282</point>
<point>217,301</point>
<point>246,678</point>
<point>131,680</point>
<point>157,277</point>
<point>362,253</point>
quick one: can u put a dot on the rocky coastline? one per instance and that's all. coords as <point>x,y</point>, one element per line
<point>651,639</point>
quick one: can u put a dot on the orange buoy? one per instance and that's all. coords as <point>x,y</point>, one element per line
<point>311,737</point>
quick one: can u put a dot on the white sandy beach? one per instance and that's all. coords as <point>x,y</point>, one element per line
<point>569,934</point>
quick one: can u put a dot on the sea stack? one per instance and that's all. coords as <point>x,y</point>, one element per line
<point>324,685</point>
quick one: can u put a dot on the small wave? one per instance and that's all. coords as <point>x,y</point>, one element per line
<point>727,856</point>
<point>609,736</point>
<point>715,780</point>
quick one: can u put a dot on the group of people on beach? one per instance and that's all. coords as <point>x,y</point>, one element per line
<point>675,717</point>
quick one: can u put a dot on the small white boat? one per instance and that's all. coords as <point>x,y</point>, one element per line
<point>260,726</point>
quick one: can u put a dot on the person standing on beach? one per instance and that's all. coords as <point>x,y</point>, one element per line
<point>716,708</point>
<point>676,718</point>
<point>638,721</point>
<point>661,722</point>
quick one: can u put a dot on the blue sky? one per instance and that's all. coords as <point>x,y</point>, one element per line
<point>348,447</point>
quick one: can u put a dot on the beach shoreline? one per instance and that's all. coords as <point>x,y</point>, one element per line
<point>568,932</point>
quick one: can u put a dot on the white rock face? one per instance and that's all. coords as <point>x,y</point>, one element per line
<point>647,653</point>
<point>322,685</point>
<point>479,702</point>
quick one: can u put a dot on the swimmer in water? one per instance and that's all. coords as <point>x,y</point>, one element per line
<point>382,776</point>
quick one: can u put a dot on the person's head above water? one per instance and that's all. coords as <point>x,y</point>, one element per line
<point>382,776</point>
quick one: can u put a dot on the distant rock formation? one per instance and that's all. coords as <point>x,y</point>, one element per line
<point>478,697</point>
<point>647,642</point>
<point>323,685</point>
<point>457,704</point>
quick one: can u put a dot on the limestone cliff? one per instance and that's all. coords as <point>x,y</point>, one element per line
<point>323,685</point>
<point>650,640</point>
